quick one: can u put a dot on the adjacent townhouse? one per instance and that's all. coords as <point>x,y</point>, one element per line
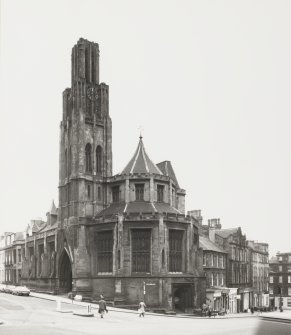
<point>259,273</point>
<point>280,280</point>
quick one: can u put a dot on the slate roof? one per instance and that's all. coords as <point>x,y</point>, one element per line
<point>224,233</point>
<point>167,170</point>
<point>47,227</point>
<point>37,225</point>
<point>140,162</point>
<point>138,207</point>
<point>273,260</point>
<point>19,236</point>
<point>206,244</point>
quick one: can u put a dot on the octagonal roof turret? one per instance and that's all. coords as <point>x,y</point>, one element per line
<point>140,162</point>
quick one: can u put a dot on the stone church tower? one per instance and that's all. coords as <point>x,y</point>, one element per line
<point>86,138</point>
<point>85,162</point>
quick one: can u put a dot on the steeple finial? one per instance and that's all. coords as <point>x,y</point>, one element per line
<point>140,132</point>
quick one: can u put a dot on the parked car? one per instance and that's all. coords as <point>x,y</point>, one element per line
<point>2,287</point>
<point>9,288</point>
<point>21,290</point>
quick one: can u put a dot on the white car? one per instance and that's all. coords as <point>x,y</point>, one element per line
<point>21,290</point>
<point>9,288</point>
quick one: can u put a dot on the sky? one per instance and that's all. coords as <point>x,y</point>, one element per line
<point>209,83</point>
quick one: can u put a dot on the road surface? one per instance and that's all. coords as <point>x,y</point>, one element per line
<point>30,315</point>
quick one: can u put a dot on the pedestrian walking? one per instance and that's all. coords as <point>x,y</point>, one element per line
<point>102,307</point>
<point>141,309</point>
<point>209,311</point>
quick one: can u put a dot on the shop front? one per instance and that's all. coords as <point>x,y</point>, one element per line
<point>246,299</point>
<point>233,300</point>
<point>214,298</point>
<point>218,299</point>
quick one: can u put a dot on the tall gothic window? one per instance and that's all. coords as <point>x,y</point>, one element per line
<point>141,250</point>
<point>160,193</point>
<point>104,251</point>
<point>98,159</point>
<point>40,252</point>
<point>139,192</point>
<point>176,250</point>
<point>88,157</point>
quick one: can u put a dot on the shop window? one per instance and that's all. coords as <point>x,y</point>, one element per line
<point>141,250</point>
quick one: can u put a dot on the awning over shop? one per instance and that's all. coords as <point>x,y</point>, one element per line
<point>233,291</point>
<point>217,294</point>
<point>245,290</point>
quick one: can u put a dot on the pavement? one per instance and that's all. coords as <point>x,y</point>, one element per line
<point>285,315</point>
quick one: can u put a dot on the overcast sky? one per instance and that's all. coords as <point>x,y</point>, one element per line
<point>208,81</point>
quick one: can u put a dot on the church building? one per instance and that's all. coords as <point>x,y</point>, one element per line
<point>124,236</point>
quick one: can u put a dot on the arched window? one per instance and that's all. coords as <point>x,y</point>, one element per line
<point>70,161</point>
<point>88,157</point>
<point>98,159</point>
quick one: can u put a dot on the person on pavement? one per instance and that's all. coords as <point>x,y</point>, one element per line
<point>102,307</point>
<point>141,309</point>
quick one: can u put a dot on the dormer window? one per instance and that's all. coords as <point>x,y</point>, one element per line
<point>139,192</point>
<point>160,193</point>
<point>115,194</point>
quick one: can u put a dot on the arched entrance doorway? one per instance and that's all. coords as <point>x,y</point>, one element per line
<point>65,273</point>
<point>183,298</point>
